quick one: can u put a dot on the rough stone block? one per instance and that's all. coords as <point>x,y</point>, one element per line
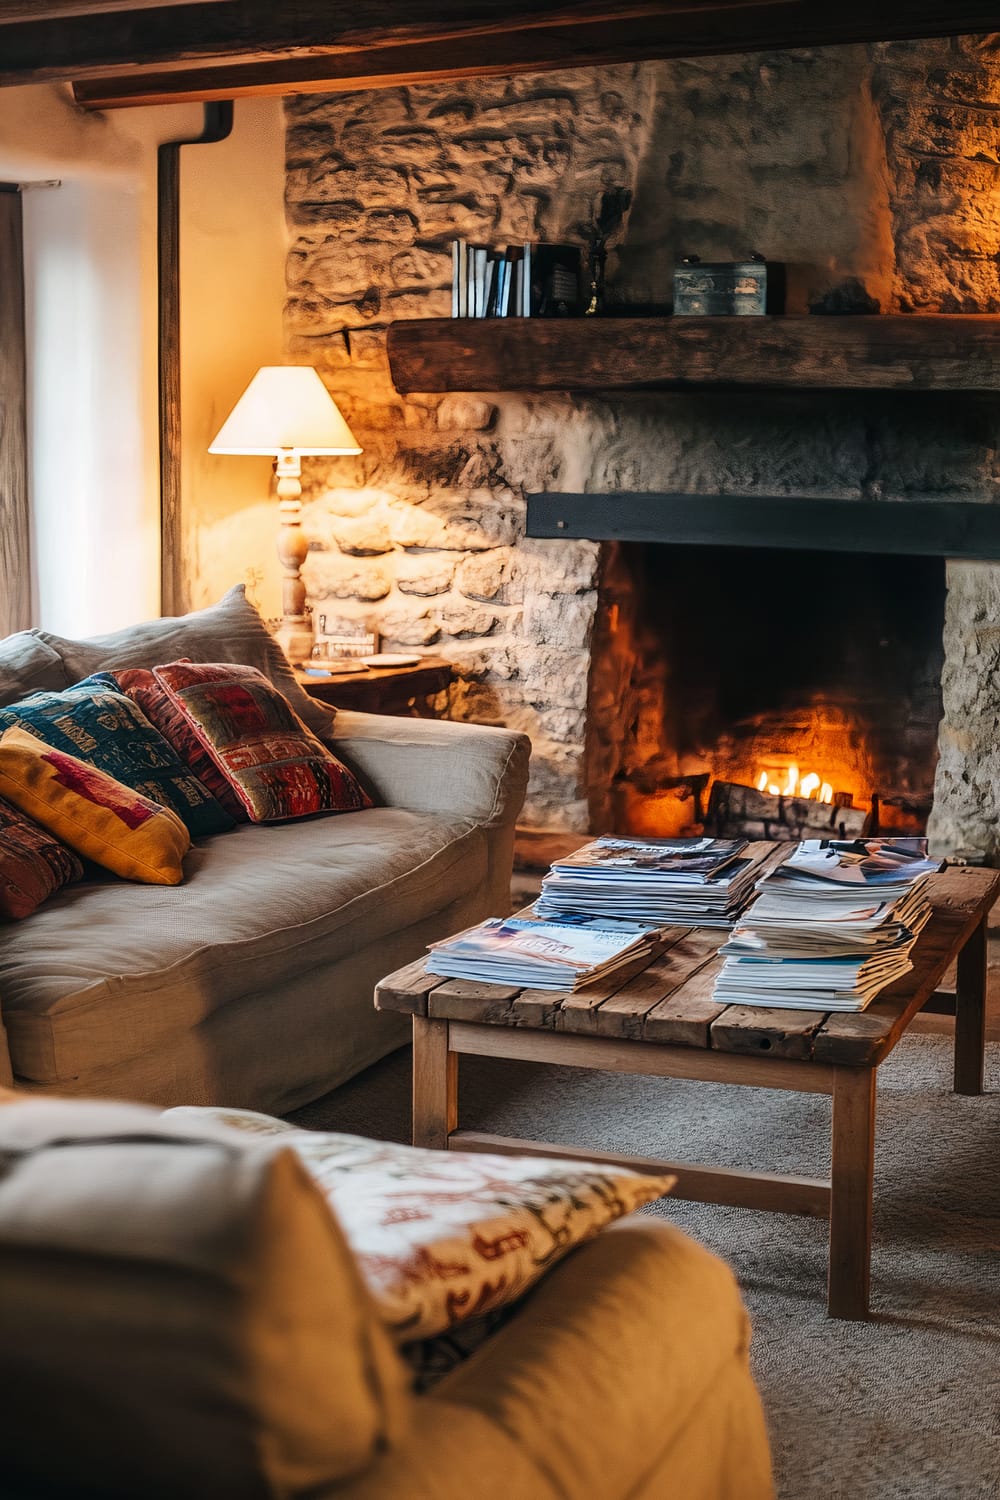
<point>493,575</point>
<point>408,626</point>
<point>473,522</point>
<point>466,620</point>
<point>425,573</point>
<point>362,536</point>
<point>465,414</point>
<point>328,576</point>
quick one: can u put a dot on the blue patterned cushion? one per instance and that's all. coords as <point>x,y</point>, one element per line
<point>97,723</point>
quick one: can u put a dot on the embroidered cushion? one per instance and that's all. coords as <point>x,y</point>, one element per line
<point>95,722</point>
<point>97,816</point>
<point>163,713</point>
<point>33,865</point>
<point>444,1236</point>
<point>277,768</point>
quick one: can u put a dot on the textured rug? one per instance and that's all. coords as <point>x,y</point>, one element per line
<point>904,1407</point>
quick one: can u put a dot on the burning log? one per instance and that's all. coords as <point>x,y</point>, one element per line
<point>736,811</point>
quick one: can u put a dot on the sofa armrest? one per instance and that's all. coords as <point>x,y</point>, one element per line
<point>437,765</point>
<point>614,1352</point>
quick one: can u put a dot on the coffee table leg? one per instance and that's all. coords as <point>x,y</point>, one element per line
<point>435,1084</point>
<point>970,1014</point>
<point>851,1192</point>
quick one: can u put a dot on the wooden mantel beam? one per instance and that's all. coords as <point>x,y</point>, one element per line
<point>204,47</point>
<point>58,10</point>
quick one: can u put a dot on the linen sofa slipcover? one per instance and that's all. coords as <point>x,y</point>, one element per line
<point>252,982</point>
<point>178,1322</point>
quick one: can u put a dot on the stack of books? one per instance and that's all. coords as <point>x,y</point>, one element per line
<point>691,882</point>
<point>523,281</point>
<point>831,927</point>
<point>540,955</point>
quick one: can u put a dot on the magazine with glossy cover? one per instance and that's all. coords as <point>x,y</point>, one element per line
<point>538,954</point>
<point>616,857</point>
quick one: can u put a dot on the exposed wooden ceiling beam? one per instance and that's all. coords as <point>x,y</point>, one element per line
<point>56,10</point>
<point>233,47</point>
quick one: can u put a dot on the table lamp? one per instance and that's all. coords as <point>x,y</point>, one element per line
<point>285,412</point>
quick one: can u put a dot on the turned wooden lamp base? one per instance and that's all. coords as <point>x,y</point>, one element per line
<point>295,633</point>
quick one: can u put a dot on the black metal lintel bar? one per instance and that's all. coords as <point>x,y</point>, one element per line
<point>927,528</point>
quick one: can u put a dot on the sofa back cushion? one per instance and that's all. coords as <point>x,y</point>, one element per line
<point>98,723</point>
<point>28,665</point>
<point>231,630</point>
<point>181,1315</point>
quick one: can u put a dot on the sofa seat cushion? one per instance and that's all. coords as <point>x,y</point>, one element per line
<point>103,972</point>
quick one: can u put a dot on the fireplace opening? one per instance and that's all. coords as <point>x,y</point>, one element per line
<point>774,693</point>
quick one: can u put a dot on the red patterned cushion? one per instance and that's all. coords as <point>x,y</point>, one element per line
<point>276,766</point>
<point>33,864</point>
<point>160,709</point>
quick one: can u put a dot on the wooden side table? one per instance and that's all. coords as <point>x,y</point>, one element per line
<point>659,1018</point>
<point>383,690</point>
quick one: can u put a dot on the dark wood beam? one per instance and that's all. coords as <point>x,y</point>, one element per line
<point>914,528</point>
<point>15,518</point>
<point>217,125</point>
<point>57,10</point>
<point>955,352</point>
<point>309,32</point>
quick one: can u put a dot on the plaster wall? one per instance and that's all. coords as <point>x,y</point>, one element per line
<point>90,254</point>
<point>233,249</point>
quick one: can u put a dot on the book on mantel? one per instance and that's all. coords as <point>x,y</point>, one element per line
<point>697,882</point>
<point>831,927</point>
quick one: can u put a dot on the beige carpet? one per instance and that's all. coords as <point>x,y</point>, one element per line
<point>905,1407</point>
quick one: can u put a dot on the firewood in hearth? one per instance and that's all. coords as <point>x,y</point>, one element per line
<point>735,810</point>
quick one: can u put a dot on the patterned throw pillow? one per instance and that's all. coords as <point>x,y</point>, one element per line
<point>141,686</point>
<point>443,1236</point>
<point>97,723</point>
<point>91,812</point>
<point>33,865</point>
<point>275,765</point>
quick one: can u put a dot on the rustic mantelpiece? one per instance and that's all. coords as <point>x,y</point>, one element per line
<point>957,352</point>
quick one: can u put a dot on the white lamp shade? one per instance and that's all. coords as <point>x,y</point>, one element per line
<point>285,407</point>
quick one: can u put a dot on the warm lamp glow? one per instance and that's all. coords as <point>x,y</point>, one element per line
<point>286,411</point>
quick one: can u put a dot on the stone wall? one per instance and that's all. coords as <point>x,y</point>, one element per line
<point>878,163</point>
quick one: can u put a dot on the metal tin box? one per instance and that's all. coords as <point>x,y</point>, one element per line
<point>743,288</point>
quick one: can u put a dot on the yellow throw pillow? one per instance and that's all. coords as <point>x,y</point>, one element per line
<point>92,812</point>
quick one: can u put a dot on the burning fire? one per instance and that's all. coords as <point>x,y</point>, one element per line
<point>809,787</point>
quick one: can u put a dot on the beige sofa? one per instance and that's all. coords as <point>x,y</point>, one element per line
<point>182,1316</point>
<point>251,984</point>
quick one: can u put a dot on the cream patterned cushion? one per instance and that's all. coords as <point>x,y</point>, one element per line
<point>445,1236</point>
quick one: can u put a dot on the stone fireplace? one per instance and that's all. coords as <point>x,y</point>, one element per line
<point>803,676</point>
<point>880,163</point>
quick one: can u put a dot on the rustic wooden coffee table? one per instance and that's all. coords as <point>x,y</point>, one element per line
<point>659,1018</point>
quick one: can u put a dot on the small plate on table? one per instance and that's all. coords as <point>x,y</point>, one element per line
<point>391,659</point>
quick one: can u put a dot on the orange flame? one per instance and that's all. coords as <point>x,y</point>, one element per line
<point>810,787</point>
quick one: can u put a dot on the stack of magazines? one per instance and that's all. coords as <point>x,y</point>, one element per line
<point>540,955</point>
<point>831,927</point>
<point>692,882</point>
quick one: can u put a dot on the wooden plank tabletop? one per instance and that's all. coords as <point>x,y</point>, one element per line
<point>668,999</point>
